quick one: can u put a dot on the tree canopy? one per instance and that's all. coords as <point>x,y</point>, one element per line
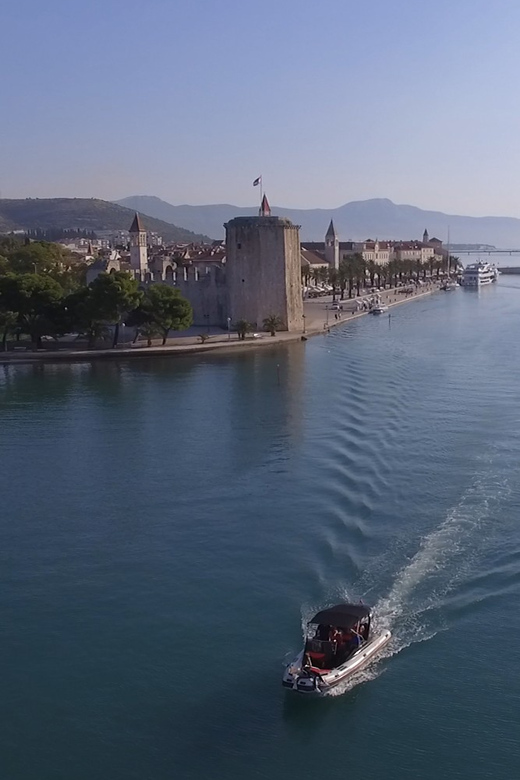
<point>165,309</point>
<point>43,292</point>
<point>112,296</point>
<point>34,298</point>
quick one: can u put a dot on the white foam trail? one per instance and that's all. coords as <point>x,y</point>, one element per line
<point>411,608</point>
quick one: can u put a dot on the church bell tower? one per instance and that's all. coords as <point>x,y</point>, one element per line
<point>332,246</point>
<point>138,248</point>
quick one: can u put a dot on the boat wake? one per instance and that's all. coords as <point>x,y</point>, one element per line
<point>415,608</point>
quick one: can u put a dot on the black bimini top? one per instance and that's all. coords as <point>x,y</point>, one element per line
<point>342,615</point>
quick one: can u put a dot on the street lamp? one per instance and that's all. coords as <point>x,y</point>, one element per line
<point>229,328</point>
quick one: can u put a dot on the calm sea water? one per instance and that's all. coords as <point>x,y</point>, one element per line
<point>167,527</point>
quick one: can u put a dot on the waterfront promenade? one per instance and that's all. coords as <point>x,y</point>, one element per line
<point>319,317</point>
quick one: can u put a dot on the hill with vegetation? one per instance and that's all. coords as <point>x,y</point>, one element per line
<point>89,214</point>
<point>357,220</point>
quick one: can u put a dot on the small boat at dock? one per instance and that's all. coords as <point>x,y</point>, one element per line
<point>341,642</point>
<point>449,285</point>
<point>379,309</point>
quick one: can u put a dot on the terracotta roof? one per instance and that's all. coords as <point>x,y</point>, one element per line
<point>312,258</point>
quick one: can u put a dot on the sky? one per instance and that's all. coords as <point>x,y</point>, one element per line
<point>329,101</point>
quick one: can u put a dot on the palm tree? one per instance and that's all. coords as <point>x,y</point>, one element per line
<point>359,268</point>
<point>324,274</point>
<point>453,264</point>
<point>343,277</point>
<point>273,323</point>
<point>411,266</point>
<point>242,327</point>
<point>333,280</point>
<point>149,330</point>
<point>315,275</point>
<point>383,272</point>
<point>371,267</point>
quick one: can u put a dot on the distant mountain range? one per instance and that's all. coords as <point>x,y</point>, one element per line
<point>358,220</point>
<point>85,214</point>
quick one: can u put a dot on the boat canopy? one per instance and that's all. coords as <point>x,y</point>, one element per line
<point>342,615</point>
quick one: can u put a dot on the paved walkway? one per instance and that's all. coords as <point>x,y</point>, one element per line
<point>318,317</point>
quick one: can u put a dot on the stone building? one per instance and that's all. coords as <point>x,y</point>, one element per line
<point>263,270</point>
<point>334,251</point>
<point>257,275</point>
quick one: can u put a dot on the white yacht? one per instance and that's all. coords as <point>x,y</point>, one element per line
<point>478,274</point>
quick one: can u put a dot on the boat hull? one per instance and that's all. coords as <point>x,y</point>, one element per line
<point>478,275</point>
<point>312,683</point>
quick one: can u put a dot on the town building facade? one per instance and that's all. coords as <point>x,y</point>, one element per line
<point>255,275</point>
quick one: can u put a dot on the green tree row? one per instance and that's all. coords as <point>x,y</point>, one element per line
<point>36,305</point>
<point>42,293</point>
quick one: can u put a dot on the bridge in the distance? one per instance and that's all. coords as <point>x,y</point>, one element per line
<point>485,251</point>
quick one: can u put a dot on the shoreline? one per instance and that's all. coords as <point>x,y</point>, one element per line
<point>178,350</point>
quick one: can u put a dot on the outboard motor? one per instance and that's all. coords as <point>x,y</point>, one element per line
<point>307,682</point>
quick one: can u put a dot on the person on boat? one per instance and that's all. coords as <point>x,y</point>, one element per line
<point>356,641</point>
<point>323,633</point>
<point>335,635</point>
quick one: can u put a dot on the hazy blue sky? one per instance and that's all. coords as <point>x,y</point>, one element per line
<point>331,101</point>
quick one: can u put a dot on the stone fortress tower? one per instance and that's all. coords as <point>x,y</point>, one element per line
<point>138,248</point>
<point>263,270</point>
<point>332,246</point>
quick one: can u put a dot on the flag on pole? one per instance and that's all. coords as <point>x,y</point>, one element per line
<point>257,181</point>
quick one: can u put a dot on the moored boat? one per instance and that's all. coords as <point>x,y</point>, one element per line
<point>341,643</point>
<point>449,285</point>
<point>378,309</point>
<point>479,274</point>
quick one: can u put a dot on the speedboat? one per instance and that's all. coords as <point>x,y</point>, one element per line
<point>340,643</point>
<point>478,274</point>
<point>378,309</point>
